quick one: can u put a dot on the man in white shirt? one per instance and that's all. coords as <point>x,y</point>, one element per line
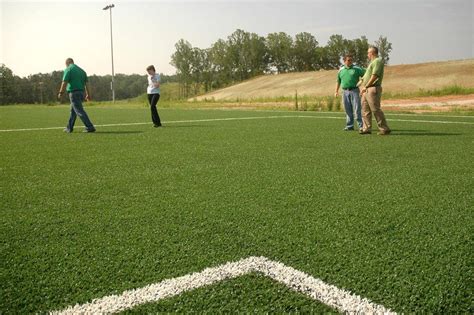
<point>153,91</point>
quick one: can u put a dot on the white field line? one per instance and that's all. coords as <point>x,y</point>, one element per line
<point>331,113</point>
<point>434,121</point>
<point>296,280</point>
<point>242,118</point>
<point>406,120</point>
<point>167,122</point>
<point>423,115</point>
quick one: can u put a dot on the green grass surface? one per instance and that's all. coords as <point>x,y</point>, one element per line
<point>87,215</point>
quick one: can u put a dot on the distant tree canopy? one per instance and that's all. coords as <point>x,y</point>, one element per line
<point>43,87</point>
<point>244,55</point>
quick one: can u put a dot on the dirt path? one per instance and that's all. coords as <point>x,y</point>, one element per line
<point>435,103</point>
<point>414,105</point>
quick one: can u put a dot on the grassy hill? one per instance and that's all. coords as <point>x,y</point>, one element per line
<point>399,79</point>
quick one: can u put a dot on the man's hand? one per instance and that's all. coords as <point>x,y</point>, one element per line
<point>363,91</point>
<point>336,91</point>
<point>62,89</point>
<point>88,94</point>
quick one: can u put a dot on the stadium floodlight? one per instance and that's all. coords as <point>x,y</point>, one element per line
<point>109,7</point>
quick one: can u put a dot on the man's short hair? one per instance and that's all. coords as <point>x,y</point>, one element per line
<point>347,56</point>
<point>69,60</point>
<point>151,68</point>
<point>375,50</point>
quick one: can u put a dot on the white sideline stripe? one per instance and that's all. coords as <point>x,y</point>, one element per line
<point>407,120</point>
<point>435,121</point>
<point>242,118</point>
<point>168,122</point>
<point>423,115</point>
<point>331,113</point>
<point>296,280</point>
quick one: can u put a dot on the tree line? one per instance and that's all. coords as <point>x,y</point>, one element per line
<point>244,55</point>
<point>241,56</point>
<point>42,88</point>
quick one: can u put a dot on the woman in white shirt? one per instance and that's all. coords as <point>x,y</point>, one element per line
<point>153,91</point>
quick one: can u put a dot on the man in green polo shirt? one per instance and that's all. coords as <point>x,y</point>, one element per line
<point>372,94</point>
<point>75,82</point>
<point>348,78</point>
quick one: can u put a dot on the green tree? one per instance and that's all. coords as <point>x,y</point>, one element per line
<point>305,52</point>
<point>280,51</point>
<point>206,68</point>
<point>182,60</point>
<point>237,63</point>
<point>248,55</point>
<point>221,66</point>
<point>358,49</point>
<point>385,47</point>
<point>258,55</point>
<point>334,51</point>
<point>7,85</point>
<point>198,68</point>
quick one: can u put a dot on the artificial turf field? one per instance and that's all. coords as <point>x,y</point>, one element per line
<point>88,215</point>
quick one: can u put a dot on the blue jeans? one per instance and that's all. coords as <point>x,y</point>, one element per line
<point>77,109</point>
<point>351,99</point>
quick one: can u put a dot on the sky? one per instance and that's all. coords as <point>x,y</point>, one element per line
<point>37,36</point>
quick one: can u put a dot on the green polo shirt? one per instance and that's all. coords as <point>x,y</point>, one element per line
<point>75,77</point>
<point>375,67</point>
<point>348,77</point>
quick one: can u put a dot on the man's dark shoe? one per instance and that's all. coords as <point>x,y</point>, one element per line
<point>384,133</point>
<point>157,125</point>
<point>89,130</point>
<point>66,130</point>
<point>348,129</point>
<point>365,132</point>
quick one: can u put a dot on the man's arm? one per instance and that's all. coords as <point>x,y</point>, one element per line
<point>62,88</point>
<point>88,94</point>
<point>338,84</point>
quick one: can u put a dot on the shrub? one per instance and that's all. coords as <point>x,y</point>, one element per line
<point>330,103</point>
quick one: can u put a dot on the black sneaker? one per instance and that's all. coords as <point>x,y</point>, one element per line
<point>348,129</point>
<point>89,130</point>
<point>157,125</point>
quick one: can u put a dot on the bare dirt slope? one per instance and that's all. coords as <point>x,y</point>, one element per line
<point>397,79</point>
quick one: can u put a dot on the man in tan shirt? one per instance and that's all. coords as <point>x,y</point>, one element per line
<point>372,94</point>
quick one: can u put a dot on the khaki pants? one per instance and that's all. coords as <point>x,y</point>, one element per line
<point>371,104</point>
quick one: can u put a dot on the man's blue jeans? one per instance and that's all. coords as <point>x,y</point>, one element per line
<point>351,99</point>
<point>77,109</point>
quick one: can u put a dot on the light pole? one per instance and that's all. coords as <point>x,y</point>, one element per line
<point>109,7</point>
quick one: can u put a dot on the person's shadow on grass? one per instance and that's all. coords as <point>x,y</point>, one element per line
<point>408,132</point>
<point>186,126</point>
<point>117,132</point>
